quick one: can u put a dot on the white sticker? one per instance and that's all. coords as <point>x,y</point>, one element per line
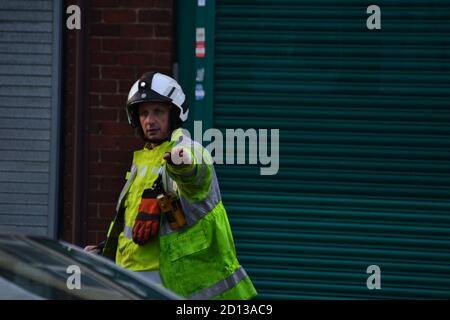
<point>200,35</point>
<point>200,50</point>
<point>199,92</point>
<point>201,3</point>
<point>200,75</point>
<point>143,171</point>
<point>155,170</point>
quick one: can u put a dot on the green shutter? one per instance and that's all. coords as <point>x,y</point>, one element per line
<point>364,119</point>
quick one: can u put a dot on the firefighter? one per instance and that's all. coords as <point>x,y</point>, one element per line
<point>170,222</point>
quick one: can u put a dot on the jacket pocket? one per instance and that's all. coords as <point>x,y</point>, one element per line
<point>187,243</point>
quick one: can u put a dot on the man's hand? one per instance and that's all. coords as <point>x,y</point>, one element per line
<point>97,248</point>
<point>178,156</point>
<point>92,249</point>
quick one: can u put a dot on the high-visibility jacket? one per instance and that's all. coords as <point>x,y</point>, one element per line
<point>197,261</point>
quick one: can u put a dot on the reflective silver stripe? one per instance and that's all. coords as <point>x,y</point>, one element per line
<point>126,186</point>
<point>128,232</point>
<point>220,287</point>
<point>200,208</point>
<point>166,180</point>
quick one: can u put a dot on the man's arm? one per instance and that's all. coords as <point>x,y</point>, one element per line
<point>191,168</point>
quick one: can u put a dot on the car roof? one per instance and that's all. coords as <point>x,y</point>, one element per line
<point>38,267</point>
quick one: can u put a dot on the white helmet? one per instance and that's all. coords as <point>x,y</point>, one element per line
<point>154,86</point>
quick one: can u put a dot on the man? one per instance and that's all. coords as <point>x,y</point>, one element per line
<point>188,247</point>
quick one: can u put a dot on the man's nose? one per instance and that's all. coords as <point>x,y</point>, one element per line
<point>150,119</point>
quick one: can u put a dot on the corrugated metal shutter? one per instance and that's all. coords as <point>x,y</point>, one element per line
<point>29,104</point>
<point>364,119</point>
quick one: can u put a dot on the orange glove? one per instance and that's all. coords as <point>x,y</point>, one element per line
<point>146,225</point>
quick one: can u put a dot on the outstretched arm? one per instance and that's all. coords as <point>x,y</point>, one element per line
<point>191,168</point>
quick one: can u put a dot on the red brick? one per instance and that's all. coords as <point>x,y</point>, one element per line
<point>167,70</point>
<point>154,45</point>
<point>113,100</point>
<point>116,128</point>
<point>103,86</point>
<point>92,238</point>
<point>100,141</point>
<point>96,16</point>
<point>101,114</point>
<point>123,117</point>
<point>104,3</point>
<point>137,3</point>
<point>94,127</point>
<point>142,69</point>
<point>107,30</point>
<point>129,143</point>
<point>118,16</point>
<point>125,86</point>
<point>133,31</point>
<point>95,44</point>
<point>155,16</point>
<point>106,210</point>
<point>163,3</point>
<point>163,59</point>
<point>93,183</point>
<point>94,99</point>
<point>94,155</point>
<point>119,44</point>
<point>103,58</point>
<point>97,223</point>
<point>163,31</point>
<point>116,156</point>
<point>92,210</point>
<point>94,72</point>
<point>108,169</point>
<point>111,184</point>
<point>133,59</point>
<point>101,234</point>
<point>118,72</point>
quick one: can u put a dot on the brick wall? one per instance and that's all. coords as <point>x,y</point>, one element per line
<point>126,38</point>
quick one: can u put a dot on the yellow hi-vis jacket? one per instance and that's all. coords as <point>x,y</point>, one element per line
<point>197,261</point>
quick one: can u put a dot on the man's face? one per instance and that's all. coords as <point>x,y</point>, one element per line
<point>154,118</point>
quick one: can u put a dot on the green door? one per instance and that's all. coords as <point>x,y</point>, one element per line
<point>364,120</point>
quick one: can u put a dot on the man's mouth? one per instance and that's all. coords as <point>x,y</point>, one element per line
<point>152,131</point>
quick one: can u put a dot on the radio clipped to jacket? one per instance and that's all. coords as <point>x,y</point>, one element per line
<point>170,206</point>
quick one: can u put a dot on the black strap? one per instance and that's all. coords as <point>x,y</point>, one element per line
<point>158,186</point>
<point>110,248</point>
